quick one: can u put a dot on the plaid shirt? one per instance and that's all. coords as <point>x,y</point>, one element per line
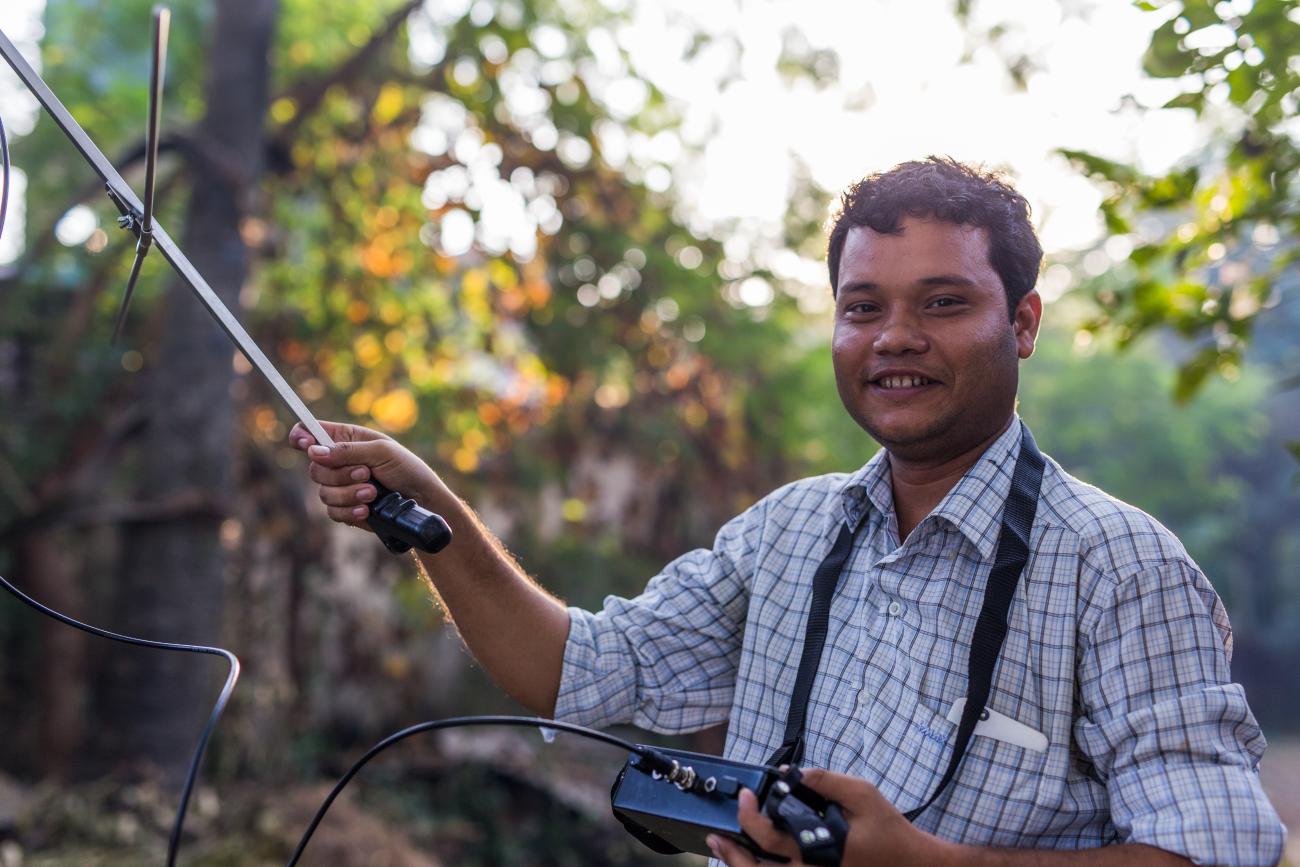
<point>1117,651</point>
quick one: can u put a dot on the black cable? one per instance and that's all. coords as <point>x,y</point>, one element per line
<point>4,158</point>
<point>190,778</point>
<point>653,758</point>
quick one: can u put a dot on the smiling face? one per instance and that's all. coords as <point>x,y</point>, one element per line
<point>926,356</point>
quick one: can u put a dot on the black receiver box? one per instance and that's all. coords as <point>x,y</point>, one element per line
<point>677,819</point>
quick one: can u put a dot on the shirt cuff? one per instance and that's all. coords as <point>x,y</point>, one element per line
<point>1209,813</point>
<point>594,690</point>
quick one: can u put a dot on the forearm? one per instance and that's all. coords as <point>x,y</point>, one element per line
<point>514,628</point>
<point>1108,856</point>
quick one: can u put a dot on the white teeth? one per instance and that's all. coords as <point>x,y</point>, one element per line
<point>902,381</point>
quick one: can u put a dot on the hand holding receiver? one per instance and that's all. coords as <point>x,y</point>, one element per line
<point>874,831</point>
<point>816,823</point>
<point>690,802</point>
<point>348,471</point>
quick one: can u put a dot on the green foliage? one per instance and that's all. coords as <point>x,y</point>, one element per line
<point>1213,241</point>
<point>1103,414</point>
<point>1213,470</point>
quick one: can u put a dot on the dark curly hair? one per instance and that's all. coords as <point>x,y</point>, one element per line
<point>944,189</point>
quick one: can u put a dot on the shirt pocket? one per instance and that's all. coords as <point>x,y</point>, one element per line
<point>1004,772</point>
<point>905,749</point>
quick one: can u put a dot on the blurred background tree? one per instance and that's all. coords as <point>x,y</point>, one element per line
<point>457,223</point>
<point>1213,240</point>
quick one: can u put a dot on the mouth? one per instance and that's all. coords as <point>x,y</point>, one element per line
<point>902,383</point>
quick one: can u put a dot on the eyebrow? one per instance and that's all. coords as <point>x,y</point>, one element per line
<point>931,281</point>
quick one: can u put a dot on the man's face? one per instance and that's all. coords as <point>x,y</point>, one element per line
<point>926,356</point>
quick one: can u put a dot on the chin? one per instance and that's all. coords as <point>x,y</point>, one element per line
<point>911,438</point>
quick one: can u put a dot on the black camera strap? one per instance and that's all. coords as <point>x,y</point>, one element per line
<point>990,628</point>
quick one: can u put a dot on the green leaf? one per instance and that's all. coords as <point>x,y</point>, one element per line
<point>1165,56</point>
<point>1116,223</point>
<point>1194,100</point>
<point>1100,166</point>
<point>1175,188</point>
<point>1193,375</point>
<point>1144,254</point>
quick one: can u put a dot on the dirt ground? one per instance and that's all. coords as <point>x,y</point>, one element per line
<point>1280,773</point>
<point>391,820</point>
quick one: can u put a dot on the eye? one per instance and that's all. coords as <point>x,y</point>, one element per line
<point>947,302</point>
<point>860,308</point>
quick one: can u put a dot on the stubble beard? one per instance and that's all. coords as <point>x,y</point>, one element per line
<point>950,431</point>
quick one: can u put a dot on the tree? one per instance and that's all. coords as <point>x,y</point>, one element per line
<point>525,363</point>
<point>173,566</point>
<point>1213,239</point>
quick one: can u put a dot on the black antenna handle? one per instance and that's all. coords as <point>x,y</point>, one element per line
<point>402,524</point>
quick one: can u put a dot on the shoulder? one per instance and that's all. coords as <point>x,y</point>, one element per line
<point>1113,536</point>
<point>812,495</point>
<point>787,513</point>
<point>1125,555</point>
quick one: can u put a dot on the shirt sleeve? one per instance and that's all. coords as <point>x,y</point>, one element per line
<point>666,660</point>
<point>1166,728</point>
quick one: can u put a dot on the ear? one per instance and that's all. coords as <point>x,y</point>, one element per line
<point>1028,316</point>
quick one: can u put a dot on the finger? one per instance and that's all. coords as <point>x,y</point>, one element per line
<point>323,475</point>
<point>730,853</point>
<point>852,793</point>
<point>346,496</point>
<point>353,515</point>
<point>368,453</point>
<point>343,432</point>
<point>761,830</point>
<point>301,438</point>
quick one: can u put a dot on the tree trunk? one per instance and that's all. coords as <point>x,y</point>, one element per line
<point>50,561</point>
<point>173,566</point>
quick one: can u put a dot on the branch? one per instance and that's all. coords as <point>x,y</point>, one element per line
<point>54,502</point>
<point>308,95</point>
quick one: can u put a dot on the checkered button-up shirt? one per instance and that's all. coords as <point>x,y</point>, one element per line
<point>1116,652</point>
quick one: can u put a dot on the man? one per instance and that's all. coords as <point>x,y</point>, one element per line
<point>1116,718</point>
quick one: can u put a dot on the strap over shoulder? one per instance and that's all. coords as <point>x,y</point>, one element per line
<point>990,628</point>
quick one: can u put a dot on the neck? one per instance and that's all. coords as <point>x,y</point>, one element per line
<point>921,485</point>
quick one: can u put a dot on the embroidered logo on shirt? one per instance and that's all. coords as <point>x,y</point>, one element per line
<point>937,737</point>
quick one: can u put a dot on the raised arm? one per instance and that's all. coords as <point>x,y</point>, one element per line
<point>514,628</point>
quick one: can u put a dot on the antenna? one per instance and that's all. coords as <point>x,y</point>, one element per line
<point>143,225</point>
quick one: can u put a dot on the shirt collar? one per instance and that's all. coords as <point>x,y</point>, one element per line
<point>973,506</point>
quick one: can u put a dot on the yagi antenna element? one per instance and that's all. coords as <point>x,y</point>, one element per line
<point>142,226</point>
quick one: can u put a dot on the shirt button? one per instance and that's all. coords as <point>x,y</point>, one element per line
<point>895,608</point>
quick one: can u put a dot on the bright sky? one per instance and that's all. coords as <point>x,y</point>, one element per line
<point>913,82</point>
<point>904,91</point>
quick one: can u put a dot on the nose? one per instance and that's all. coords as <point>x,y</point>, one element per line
<point>900,335</point>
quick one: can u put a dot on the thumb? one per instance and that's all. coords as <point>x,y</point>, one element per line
<point>848,792</point>
<point>370,453</point>
<point>345,432</point>
<point>336,431</point>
